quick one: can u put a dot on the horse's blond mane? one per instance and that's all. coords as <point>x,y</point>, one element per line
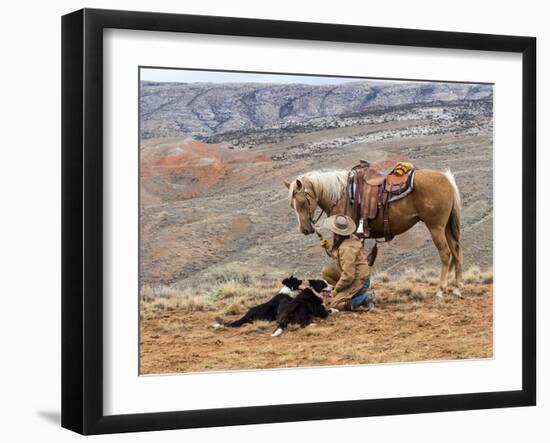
<point>329,185</point>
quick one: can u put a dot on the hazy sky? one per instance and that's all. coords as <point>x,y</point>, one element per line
<point>189,76</point>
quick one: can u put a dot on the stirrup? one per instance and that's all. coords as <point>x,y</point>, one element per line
<point>360,230</point>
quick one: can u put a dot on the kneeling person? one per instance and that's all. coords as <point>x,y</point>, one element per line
<point>351,276</point>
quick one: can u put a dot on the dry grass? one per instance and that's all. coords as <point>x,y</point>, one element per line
<point>383,277</point>
<point>150,293</point>
<point>474,275</point>
<point>232,290</point>
<point>229,273</point>
<point>229,289</point>
<point>408,324</point>
<point>417,285</point>
<point>171,300</point>
<point>410,275</point>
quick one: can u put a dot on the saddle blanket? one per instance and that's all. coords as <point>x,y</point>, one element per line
<point>407,191</point>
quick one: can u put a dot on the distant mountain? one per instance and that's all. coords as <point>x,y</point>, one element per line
<point>201,110</point>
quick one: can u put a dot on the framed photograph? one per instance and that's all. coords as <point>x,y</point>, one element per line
<point>269,221</point>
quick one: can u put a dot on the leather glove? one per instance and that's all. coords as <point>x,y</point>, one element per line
<point>324,243</point>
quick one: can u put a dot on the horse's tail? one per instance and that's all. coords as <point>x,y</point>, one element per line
<point>452,230</point>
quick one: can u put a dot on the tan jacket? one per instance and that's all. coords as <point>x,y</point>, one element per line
<point>354,269</point>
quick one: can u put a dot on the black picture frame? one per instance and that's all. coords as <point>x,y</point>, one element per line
<point>82,219</point>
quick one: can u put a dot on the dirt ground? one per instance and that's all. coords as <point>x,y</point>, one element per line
<point>405,326</point>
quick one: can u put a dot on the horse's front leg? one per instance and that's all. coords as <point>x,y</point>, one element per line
<point>440,241</point>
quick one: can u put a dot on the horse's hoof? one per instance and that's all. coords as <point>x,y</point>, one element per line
<point>457,293</point>
<point>439,295</point>
<point>278,332</point>
<point>333,310</point>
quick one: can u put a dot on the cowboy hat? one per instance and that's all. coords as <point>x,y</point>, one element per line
<point>339,224</point>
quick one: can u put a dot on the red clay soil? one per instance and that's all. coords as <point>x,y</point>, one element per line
<point>194,165</point>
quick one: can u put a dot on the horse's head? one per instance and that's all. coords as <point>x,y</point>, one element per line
<point>304,202</point>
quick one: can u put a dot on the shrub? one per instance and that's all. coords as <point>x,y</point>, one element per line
<point>475,275</point>
<point>228,289</point>
<point>383,277</point>
<point>234,309</point>
<point>234,272</point>
<point>163,299</point>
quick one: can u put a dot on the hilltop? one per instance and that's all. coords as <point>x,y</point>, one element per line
<point>201,110</point>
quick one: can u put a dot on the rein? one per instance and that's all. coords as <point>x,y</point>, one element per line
<point>312,213</point>
<point>374,251</point>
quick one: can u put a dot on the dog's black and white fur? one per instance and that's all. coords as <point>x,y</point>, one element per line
<point>306,306</point>
<point>270,309</point>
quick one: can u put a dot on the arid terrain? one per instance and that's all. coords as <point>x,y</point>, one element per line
<point>408,324</point>
<point>214,212</point>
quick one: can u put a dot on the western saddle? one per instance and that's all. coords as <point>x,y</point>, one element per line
<point>369,190</point>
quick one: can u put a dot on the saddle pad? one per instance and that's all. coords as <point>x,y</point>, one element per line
<point>402,168</point>
<point>408,189</point>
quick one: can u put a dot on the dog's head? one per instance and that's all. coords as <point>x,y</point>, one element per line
<point>320,288</point>
<point>292,283</point>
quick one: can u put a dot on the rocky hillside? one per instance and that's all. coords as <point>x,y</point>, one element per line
<point>212,196</point>
<point>202,110</point>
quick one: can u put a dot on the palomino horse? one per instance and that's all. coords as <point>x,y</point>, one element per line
<point>434,201</point>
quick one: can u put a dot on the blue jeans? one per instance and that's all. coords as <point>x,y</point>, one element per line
<point>363,295</point>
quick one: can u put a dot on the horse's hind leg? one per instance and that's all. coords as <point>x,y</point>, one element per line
<point>440,241</point>
<point>456,260</point>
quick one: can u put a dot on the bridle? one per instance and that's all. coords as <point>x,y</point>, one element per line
<point>372,255</point>
<point>311,212</point>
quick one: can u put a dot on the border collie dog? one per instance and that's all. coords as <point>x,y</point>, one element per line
<point>306,306</point>
<point>268,310</point>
